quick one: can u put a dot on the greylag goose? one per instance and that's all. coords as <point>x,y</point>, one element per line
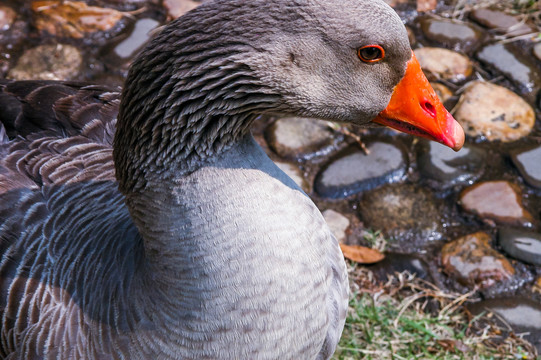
<point>152,226</point>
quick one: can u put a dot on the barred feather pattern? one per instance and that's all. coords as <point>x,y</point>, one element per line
<point>79,280</point>
<point>56,176</point>
<point>76,282</point>
<point>210,252</point>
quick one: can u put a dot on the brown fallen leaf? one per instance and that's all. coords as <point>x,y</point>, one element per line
<point>453,346</point>
<point>361,254</point>
<point>426,5</point>
<point>73,18</point>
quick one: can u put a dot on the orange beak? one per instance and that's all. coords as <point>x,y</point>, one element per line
<point>416,109</point>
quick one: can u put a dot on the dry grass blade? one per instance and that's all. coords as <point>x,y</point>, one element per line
<point>408,318</point>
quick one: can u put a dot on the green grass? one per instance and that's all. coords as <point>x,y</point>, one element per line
<point>392,321</point>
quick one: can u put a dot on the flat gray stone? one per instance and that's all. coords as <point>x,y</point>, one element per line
<point>137,38</point>
<point>449,168</point>
<point>522,245</point>
<point>297,137</point>
<point>528,163</point>
<point>518,67</point>
<point>522,314</point>
<point>452,34</point>
<point>500,22</point>
<point>353,171</point>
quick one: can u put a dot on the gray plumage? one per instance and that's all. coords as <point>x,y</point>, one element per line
<point>208,250</point>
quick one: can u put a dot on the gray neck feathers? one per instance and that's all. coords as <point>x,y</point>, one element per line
<point>187,97</point>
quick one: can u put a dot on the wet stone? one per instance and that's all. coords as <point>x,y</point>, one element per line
<point>449,168</point>
<point>426,5</point>
<point>452,34</point>
<point>472,261</point>
<point>522,314</point>
<point>394,3</point>
<point>444,64</point>
<point>501,22</point>
<point>294,173</point>
<point>404,212</point>
<point>7,17</point>
<point>522,245</point>
<point>494,112</point>
<point>338,224</point>
<point>76,19</point>
<point>411,36</point>
<point>499,201</point>
<point>353,171</point>
<point>443,92</point>
<point>297,137</point>
<point>395,262</point>
<point>537,50</point>
<point>138,37</point>
<point>518,67</point>
<point>528,163</point>
<point>176,8</point>
<point>48,62</point>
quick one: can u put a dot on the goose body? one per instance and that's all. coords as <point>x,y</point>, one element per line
<point>186,241</point>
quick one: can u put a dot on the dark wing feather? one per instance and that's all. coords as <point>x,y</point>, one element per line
<point>62,220</point>
<point>58,109</point>
<point>55,133</point>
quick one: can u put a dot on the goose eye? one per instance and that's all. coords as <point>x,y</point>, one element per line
<point>371,53</point>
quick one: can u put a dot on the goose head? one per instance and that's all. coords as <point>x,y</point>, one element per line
<point>205,76</point>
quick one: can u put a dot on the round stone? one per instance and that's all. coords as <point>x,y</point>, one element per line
<point>518,67</point>
<point>404,212</point>
<point>447,167</point>
<point>176,8</point>
<point>537,50</point>
<point>522,314</point>
<point>7,17</point>
<point>499,201</point>
<point>443,92</point>
<point>444,64</point>
<point>338,224</point>
<point>453,34</point>
<point>396,262</point>
<point>76,19</point>
<point>294,173</point>
<point>494,112</point>
<point>353,171</point>
<point>522,245</point>
<point>48,62</point>
<point>139,36</point>
<point>411,36</point>
<point>472,261</point>
<point>528,164</point>
<point>500,21</point>
<point>298,137</point>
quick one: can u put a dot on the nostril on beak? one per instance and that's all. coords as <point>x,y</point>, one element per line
<point>429,108</point>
